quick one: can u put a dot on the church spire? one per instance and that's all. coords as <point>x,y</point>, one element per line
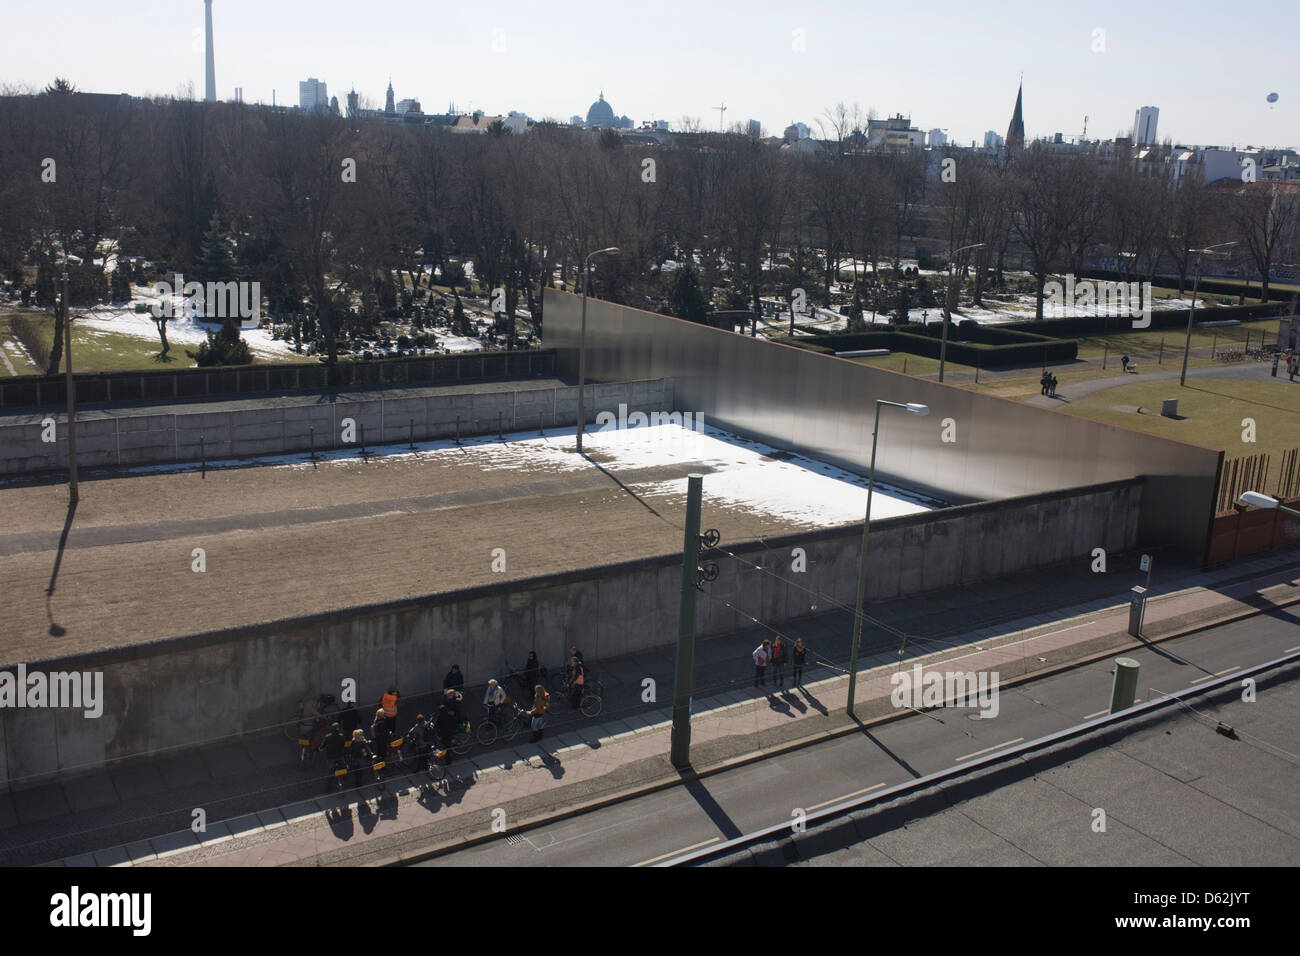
<point>1016,131</point>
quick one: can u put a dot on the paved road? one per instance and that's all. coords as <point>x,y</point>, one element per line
<point>1257,371</point>
<point>770,791</point>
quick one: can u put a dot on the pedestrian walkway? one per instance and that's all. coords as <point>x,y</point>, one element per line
<point>586,764</point>
<point>1072,393</point>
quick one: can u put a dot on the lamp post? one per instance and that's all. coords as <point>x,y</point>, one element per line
<point>915,409</point>
<point>71,388</point>
<point>947,311</point>
<point>1196,285</point>
<point>1264,501</point>
<point>582,341</point>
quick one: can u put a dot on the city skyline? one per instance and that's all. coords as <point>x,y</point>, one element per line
<point>948,68</point>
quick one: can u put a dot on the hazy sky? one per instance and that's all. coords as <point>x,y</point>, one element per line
<point>946,63</point>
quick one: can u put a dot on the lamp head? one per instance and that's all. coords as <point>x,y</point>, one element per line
<point>917,409</point>
<point>1258,500</point>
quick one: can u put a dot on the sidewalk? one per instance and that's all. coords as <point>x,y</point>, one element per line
<point>626,754</point>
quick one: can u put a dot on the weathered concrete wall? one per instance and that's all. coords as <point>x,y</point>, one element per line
<point>240,428</point>
<point>40,391</point>
<point>823,407</point>
<point>183,691</point>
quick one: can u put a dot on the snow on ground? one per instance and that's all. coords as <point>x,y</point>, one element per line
<point>181,329</point>
<point>743,474</point>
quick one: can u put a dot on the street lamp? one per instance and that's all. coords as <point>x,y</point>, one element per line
<point>582,341</point>
<point>1264,501</point>
<point>73,492</point>
<point>1187,348</point>
<point>915,409</point>
<point>947,311</point>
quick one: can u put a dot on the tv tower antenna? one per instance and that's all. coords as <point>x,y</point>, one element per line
<point>1085,129</point>
<point>210,86</point>
<point>721,110</point>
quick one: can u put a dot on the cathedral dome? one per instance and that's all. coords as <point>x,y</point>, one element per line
<point>601,113</point>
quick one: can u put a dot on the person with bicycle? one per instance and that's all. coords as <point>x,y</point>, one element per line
<point>360,756</point>
<point>381,733</point>
<point>493,697</point>
<point>577,681</point>
<point>334,747</point>
<point>421,736</point>
<point>446,724</point>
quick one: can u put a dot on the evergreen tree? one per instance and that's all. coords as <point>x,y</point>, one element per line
<point>685,298</point>
<point>120,283</point>
<point>216,262</point>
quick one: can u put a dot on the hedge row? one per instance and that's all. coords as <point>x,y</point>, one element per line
<point>1001,348</point>
<point>1211,286</point>
<point>1160,319</point>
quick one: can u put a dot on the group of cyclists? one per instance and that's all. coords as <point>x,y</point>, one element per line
<point>337,732</point>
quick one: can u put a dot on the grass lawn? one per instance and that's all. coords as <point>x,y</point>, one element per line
<point>94,350</point>
<point>1212,410</point>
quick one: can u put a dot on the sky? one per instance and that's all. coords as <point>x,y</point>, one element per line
<point>947,64</point>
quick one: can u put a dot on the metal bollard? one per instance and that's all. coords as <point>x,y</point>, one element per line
<point>362,427</point>
<point>203,457</point>
<point>412,434</point>
<point>457,429</point>
<point>1124,690</point>
<point>541,424</point>
<point>500,434</point>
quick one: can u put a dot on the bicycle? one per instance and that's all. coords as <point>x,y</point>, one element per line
<point>434,767</point>
<point>560,684</point>
<point>503,721</point>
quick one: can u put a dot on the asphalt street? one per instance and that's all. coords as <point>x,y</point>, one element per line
<point>725,806</point>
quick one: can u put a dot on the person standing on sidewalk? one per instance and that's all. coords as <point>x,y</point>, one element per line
<point>762,654</point>
<point>541,704</point>
<point>779,660</point>
<point>797,656</point>
<point>446,725</point>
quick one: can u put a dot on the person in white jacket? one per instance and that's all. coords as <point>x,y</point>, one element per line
<point>762,654</point>
<point>494,698</point>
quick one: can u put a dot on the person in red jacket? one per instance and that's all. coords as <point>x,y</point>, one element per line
<point>780,657</point>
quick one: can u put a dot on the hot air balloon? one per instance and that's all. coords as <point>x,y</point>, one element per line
<point>1272,98</point>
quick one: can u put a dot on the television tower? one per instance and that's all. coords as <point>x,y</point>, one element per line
<point>211,96</point>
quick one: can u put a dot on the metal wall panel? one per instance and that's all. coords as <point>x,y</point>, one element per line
<point>824,406</point>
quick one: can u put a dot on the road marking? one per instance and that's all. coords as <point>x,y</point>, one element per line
<point>1290,649</point>
<point>989,750</point>
<point>1097,714</point>
<point>847,796</point>
<point>677,852</point>
<point>1198,680</point>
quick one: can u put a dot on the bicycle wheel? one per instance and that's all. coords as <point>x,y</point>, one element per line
<point>591,705</point>
<point>437,772</point>
<point>559,684</point>
<point>487,732</point>
<point>461,742</point>
<point>510,726</point>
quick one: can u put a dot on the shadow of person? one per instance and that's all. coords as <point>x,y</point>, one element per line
<point>814,703</point>
<point>793,701</point>
<point>386,805</point>
<point>553,764</point>
<point>777,703</point>
<point>340,822</point>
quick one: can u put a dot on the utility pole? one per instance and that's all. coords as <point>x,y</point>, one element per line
<point>73,494</point>
<point>683,685</point>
